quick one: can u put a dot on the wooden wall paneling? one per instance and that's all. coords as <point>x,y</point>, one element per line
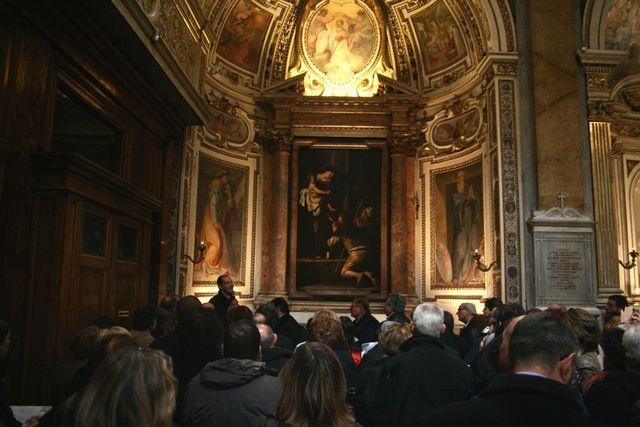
<point>43,293</point>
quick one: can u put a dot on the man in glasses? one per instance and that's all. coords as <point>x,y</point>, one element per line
<point>542,352</point>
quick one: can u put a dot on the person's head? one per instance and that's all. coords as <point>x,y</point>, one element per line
<point>187,307</point>
<point>105,322</point>
<point>144,319</point>
<point>326,328</point>
<point>631,343</point>
<point>392,338</point>
<point>448,321</point>
<point>504,364</point>
<point>107,344</point>
<point>269,312</point>
<point>614,353</point>
<point>130,388</point>
<point>267,337</point>
<point>239,312</point>
<point>348,329</point>
<point>169,303</point>
<point>5,339</point>
<point>165,321</point>
<point>503,314</point>
<point>586,328</point>
<point>281,305</point>
<point>259,319</point>
<point>359,307</point>
<point>542,343</point>
<point>490,304</point>
<point>395,304</point>
<point>428,319</point>
<point>314,389</point>
<point>242,340</point>
<point>225,284</point>
<point>85,342</point>
<point>465,312</point>
<point>615,305</point>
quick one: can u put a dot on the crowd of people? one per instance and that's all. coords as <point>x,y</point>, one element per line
<point>185,363</point>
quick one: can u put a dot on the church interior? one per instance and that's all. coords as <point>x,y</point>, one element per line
<point>448,151</point>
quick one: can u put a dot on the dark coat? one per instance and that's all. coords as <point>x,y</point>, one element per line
<point>372,356</point>
<point>611,399</point>
<point>285,342</point>
<point>455,342</point>
<point>231,392</point>
<point>276,357</point>
<point>366,328</point>
<point>523,400</point>
<point>289,327</point>
<point>472,331</point>
<point>368,381</point>
<point>423,377</point>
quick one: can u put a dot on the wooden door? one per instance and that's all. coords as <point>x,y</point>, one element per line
<point>129,278</point>
<point>93,284</point>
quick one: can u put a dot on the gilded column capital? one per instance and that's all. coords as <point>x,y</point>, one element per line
<point>280,140</point>
<point>599,111</point>
<point>400,143</point>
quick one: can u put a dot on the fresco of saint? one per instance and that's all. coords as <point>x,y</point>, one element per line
<point>216,219</point>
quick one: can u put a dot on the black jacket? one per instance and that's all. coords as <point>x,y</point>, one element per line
<point>456,342</point>
<point>221,302</point>
<point>289,327</point>
<point>276,357</point>
<point>611,399</point>
<point>522,400</point>
<point>472,331</point>
<point>423,377</point>
<point>366,328</point>
<point>231,392</point>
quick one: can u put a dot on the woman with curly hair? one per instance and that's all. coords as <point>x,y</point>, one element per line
<point>325,327</point>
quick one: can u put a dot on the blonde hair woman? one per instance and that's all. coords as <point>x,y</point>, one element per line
<point>132,387</point>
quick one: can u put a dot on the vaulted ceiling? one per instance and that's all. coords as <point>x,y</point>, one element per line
<point>429,44</point>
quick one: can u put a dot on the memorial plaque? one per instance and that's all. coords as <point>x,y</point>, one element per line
<point>564,258</point>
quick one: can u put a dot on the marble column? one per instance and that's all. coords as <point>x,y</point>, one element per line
<point>606,245</point>
<point>398,215</point>
<point>505,89</point>
<point>276,230</point>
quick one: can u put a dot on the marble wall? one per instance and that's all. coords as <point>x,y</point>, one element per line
<point>557,103</point>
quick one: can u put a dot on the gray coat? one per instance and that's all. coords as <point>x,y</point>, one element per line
<point>231,392</point>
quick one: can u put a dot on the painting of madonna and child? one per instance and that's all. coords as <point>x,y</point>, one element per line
<point>338,225</point>
<point>457,226</point>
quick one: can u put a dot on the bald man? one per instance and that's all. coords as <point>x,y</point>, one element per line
<point>274,357</point>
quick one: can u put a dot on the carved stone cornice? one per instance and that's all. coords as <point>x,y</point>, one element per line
<point>628,129</point>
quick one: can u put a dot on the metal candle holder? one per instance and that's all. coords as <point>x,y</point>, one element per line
<point>202,247</point>
<point>481,265</point>
<point>632,262</point>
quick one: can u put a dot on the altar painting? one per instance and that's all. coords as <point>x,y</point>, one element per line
<point>338,218</point>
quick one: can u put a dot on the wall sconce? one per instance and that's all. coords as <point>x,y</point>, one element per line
<point>632,262</point>
<point>481,265</point>
<point>201,249</point>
